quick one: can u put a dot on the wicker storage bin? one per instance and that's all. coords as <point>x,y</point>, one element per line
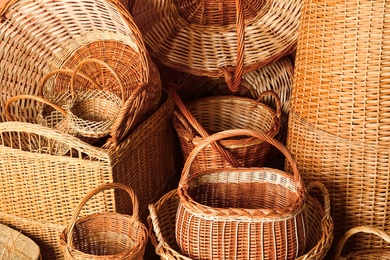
<point>65,33</point>
<point>162,217</point>
<point>39,191</point>
<point>15,245</point>
<point>363,254</point>
<point>209,38</point>
<point>234,212</point>
<point>108,235</point>
<point>197,119</point>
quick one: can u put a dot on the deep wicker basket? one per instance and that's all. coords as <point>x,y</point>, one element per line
<point>230,212</point>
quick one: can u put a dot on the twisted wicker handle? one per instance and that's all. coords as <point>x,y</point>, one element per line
<point>325,194</point>
<point>184,179</point>
<point>194,123</point>
<point>37,98</point>
<point>278,111</point>
<point>89,60</point>
<point>93,192</point>
<point>234,81</point>
<point>5,4</point>
<point>361,229</point>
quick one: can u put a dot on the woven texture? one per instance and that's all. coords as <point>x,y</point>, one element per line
<point>363,254</point>
<point>15,245</point>
<point>215,38</point>
<point>230,213</point>
<point>48,187</point>
<point>161,222</point>
<point>68,33</point>
<point>108,234</point>
<point>197,119</point>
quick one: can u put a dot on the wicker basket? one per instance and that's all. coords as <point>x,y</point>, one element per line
<point>363,254</point>
<point>39,191</point>
<point>197,119</point>
<point>15,245</point>
<point>68,33</point>
<point>209,38</point>
<point>225,213</point>
<point>162,216</point>
<point>110,235</point>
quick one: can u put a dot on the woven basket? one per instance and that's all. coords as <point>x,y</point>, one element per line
<point>209,38</point>
<point>15,245</point>
<point>363,254</point>
<point>162,216</point>
<point>197,119</point>
<point>68,33</point>
<point>225,213</point>
<point>110,235</point>
<point>38,192</point>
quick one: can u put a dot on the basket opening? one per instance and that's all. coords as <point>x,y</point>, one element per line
<point>96,110</point>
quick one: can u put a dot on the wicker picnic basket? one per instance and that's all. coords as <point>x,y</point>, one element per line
<point>39,191</point>
<point>363,254</point>
<point>162,215</point>
<point>68,33</point>
<point>15,245</point>
<point>197,119</point>
<point>208,38</point>
<point>110,235</point>
<point>230,212</point>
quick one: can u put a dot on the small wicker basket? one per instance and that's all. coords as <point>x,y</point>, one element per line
<point>105,235</point>
<point>253,213</point>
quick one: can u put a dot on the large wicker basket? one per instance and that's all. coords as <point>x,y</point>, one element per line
<point>231,212</point>
<point>39,191</point>
<point>64,33</point>
<point>162,217</point>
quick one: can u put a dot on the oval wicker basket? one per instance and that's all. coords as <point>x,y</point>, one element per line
<point>162,215</point>
<point>363,254</point>
<point>225,213</point>
<point>196,119</point>
<point>105,235</point>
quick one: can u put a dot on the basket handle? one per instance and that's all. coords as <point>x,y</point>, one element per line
<point>194,123</point>
<point>361,229</point>
<point>278,111</point>
<point>183,183</point>
<point>234,81</point>
<point>325,194</point>
<point>5,4</point>
<point>93,192</point>
<point>37,98</point>
<point>89,60</point>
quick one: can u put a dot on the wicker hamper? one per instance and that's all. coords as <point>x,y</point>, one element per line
<point>162,216</point>
<point>39,191</point>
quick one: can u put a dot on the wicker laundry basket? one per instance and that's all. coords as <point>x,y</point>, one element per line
<point>110,235</point>
<point>197,119</point>
<point>208,38</point>
<point>228,212</point>
<point>363,254</point>
<point>162,217</point>
<point>39,191</point>
<point>65,33</point>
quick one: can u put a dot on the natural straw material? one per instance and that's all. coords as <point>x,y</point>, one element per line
<point>49,187</point>
<point>209,38</point>
<point>66,33</point>
<point>200,118</point>
<point>110,235</point>
<point>250,213</point>
<point>15,245</point>
<point>161,223</point>
<point>363,254</point>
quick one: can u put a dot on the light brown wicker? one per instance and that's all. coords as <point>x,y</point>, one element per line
<point>110,235</point>
<point>199,118</point>
<point>161,222</point>
<point>64,33</point>
<point>15,245</point>
<point>250,213</point>
<point>211,38</point>
<point>363,254</point>
<point>39,191</point>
